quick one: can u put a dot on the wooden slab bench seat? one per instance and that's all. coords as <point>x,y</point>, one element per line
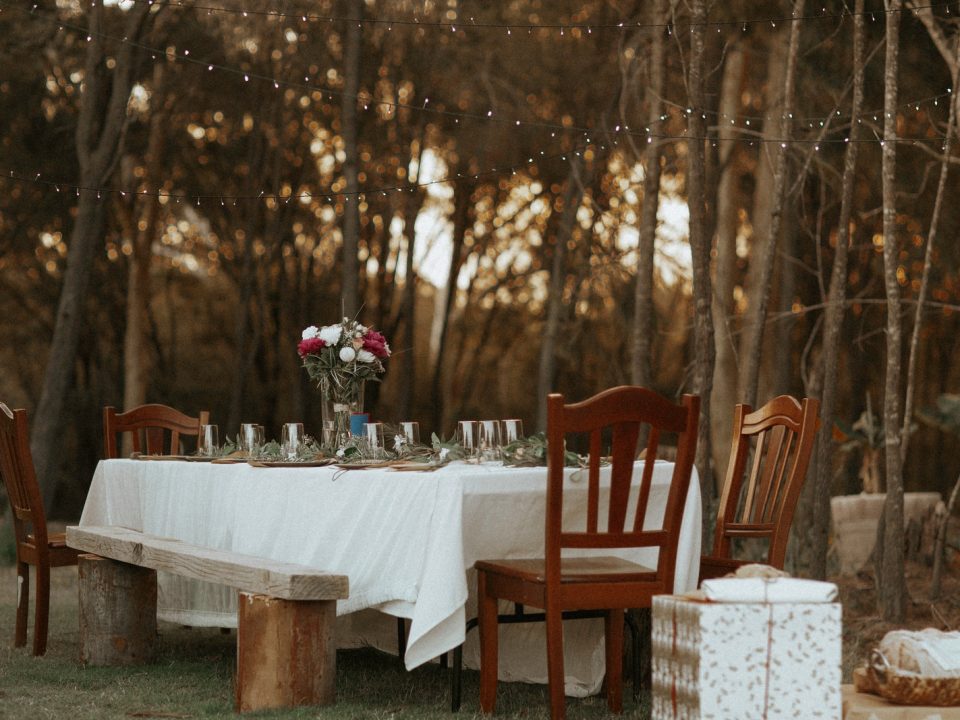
<point>286,655</point>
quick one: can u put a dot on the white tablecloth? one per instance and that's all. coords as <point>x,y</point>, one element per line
<point>407,541</point>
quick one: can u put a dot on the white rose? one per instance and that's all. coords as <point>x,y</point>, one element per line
<point>330,334</point>
<point>347,354</point>
<point>365,356</point>
<point>310,332</point>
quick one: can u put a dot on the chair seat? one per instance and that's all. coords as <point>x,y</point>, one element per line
<point>59,554</point>
<point>712,566</point>
<point>573,570</point>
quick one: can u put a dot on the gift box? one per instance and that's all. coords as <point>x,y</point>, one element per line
<point>745,660</point>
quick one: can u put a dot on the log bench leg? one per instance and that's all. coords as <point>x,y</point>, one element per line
<point>118,612</point>
<point>286,656</point>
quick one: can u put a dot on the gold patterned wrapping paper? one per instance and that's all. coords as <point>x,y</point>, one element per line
<point>739,661</point>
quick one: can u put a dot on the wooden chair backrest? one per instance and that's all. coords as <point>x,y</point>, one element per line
<point>147,425</point>
<point>19,477</point>
<point>621,411</point>
<point>768,464</point>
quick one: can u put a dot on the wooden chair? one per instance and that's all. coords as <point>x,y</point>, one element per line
<point>776,441</point>
<point>34,545</point>
<point>153,421</point>
<point>558,583</point>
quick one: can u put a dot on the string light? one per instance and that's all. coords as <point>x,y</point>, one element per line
<point>489,116</point>
<point>588,27</point>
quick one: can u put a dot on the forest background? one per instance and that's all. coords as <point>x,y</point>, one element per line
<point>734,199</point>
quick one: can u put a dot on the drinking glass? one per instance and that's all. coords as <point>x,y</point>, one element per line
<point>373,432</point>
<point>410,432</point>
<point>291,438</point>
<point>208,441</point>
<point>512,431</point>
<point>468,437</point>
<point>251,438</point>
<point>489,439</point>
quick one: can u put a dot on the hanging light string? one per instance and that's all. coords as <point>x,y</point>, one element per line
<point>329,195</point>
<point>470,22</point>
<point>488,116</point>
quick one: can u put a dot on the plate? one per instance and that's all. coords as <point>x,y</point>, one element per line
<point>181,458</point>
<point>290,463</point>
<point>414,467</point>
<point>365,464</point>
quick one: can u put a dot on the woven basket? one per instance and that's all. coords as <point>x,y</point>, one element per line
<point>904,688</point>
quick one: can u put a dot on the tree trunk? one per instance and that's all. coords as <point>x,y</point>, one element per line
<point>136,355</point>
<point>353,40</point>
<point>891,590</point>
<point>700,250</point>
<point>408,360</point>
<point>760,292</point>
<point>927,266</point>
<point>101,126</point>
<point>833,321</point>
<point>644,315</point>
<point>729,198</point>
<point>572,197</point>
<point>461,216</point>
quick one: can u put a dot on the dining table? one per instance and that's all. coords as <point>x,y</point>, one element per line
<point>407,537</point>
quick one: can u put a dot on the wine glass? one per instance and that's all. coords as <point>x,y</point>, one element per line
<point>291,437</point>
<point>410,432</point>
<point>512,430</point>
<point>468,437</point>
<point>208,441</point>
<point>251,438</point>
<point>373,432</point>
<point>489,439</point>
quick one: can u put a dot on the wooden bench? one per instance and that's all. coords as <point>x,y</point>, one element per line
<point>286,655</point>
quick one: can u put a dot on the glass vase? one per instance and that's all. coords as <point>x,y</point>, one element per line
<point>340,401</point>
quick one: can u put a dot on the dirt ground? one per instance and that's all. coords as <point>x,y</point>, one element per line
<point>862,626</point>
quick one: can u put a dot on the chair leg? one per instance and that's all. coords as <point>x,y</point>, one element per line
<point>42,610</point>
<point>489,629</point>
<point>401,639</point>
<point>23,603</point>
<point>613,639</point>
<point>555,677</point>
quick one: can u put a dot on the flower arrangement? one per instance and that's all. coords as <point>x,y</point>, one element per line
<point>339,358</point>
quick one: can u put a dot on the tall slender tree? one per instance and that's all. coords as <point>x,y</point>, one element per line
<point>759,295</point>
<point>891,590</point>
<point>353,42</point>
<point>700,242</point>
<point>833,322</point>
<point>643,324</point>
<point>101,125</point>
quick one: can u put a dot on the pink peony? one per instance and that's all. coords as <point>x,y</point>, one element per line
<point>310,346</point>
<point>376,343</point>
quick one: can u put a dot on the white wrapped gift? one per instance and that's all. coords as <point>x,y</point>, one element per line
<point>774,658</point>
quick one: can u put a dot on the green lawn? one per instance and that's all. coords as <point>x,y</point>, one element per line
<point>192,677</point>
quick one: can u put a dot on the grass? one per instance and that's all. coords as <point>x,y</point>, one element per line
<point>192,676</point>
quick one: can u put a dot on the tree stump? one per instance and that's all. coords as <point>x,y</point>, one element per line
<point>118,612</point>
<point>286,656</point>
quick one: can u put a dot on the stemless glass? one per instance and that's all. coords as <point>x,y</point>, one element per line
<point>251,438</point>
<point>373,432</point>
<point>410,432</point>
<point>208,441</point>
<point>468,437</point>
<point>489,439</point>
<point>291,438</point>
<point>512,431</point>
